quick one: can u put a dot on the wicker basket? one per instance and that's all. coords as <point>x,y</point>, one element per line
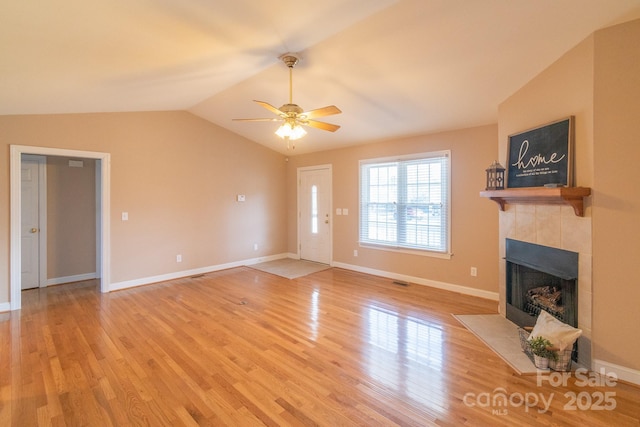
<point>562,364</point>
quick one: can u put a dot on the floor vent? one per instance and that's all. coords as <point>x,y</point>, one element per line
<point>400,282</point>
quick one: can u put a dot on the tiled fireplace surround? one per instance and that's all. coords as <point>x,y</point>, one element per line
<point>558,227</point>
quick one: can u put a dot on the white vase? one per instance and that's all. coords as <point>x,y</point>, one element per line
<point>541,362</point>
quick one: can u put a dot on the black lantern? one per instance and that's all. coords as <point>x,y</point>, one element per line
<point>495,176</point>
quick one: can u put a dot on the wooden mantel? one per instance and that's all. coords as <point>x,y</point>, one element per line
<point>573,196</point>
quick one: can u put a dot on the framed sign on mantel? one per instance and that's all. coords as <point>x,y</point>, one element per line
<point>542,156</point>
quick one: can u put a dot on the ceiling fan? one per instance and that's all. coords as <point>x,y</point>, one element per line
<point>292,115</point>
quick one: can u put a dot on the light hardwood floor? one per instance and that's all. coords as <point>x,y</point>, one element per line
<point>241,347</point>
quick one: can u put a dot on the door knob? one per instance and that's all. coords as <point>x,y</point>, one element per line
<point>34,230</point>
<point>326,221</point>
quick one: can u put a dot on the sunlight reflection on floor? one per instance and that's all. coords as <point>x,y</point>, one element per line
<point>406,355</point>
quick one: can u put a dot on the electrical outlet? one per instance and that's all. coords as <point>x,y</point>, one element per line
<point>355,252</point>
<point>178,258</point>
<point>474,271</point>
<point>255,246</point>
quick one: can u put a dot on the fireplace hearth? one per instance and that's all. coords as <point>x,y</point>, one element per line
<point>540,278</point>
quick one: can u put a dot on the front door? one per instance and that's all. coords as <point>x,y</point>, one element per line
<point>32,171</point>
<point>314,201</point>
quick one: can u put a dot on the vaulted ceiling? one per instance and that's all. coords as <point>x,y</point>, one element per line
<point>395,68</point>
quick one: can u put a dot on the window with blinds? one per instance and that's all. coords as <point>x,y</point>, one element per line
<point>404,203</point>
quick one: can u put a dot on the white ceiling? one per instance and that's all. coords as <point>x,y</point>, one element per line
<point>394,67</point>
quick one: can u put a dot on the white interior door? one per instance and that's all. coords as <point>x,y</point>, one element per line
<point>314,225</point>
<point>32,177</point>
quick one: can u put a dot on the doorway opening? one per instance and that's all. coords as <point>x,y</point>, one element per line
<point>103,267</point>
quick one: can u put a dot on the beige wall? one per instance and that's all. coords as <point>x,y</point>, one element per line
<point>177,176</point>
<point>474,220</point>
<point>598,83</point>
<point>71,218</point>
<point>616,199</point>
<point>564,89</point>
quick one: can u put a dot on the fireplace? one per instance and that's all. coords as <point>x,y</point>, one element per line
<point>540,278</point>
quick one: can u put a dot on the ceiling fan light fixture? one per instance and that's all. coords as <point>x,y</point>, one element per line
<point>291,131</point>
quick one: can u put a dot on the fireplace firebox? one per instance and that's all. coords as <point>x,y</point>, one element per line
<point>540,278</point>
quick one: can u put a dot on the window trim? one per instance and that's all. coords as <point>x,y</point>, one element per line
<point>447,253</point>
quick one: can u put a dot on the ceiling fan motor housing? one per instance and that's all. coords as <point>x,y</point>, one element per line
<point>291,108</point>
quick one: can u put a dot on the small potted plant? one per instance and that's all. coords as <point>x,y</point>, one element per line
<point>542,351</point>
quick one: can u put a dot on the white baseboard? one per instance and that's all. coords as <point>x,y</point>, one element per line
<point>621,372</point>
<point>185,273</point>
<point>70,279</point>
<point>421,281</point>
<point>395,276</point>
<point>5,306</point>
<point>116,286</point>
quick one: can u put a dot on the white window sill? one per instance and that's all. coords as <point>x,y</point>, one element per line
<point>431,254</point>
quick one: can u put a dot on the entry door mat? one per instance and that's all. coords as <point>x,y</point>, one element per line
<point>501,336</point>
<point>290,268</point>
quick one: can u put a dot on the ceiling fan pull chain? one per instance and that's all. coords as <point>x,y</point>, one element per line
<point>290,144</point>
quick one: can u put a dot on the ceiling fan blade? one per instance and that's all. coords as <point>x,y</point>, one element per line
<point>322,125</point>
<point>270,107</point>
<point>273,119</point>
<point>321,112</point>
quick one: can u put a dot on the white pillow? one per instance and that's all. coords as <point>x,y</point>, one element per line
<point>559,334</point>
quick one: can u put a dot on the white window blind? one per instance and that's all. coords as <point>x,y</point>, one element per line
<point>404,203</point>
